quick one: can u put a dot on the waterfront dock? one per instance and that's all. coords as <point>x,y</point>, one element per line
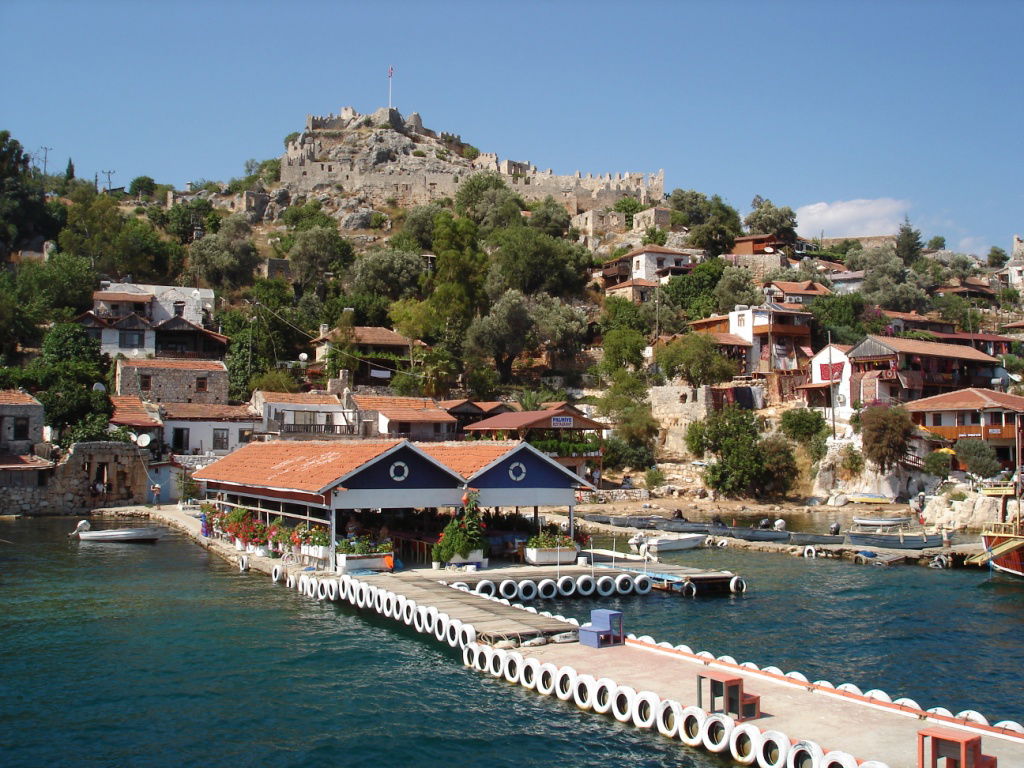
<point>649,684</point>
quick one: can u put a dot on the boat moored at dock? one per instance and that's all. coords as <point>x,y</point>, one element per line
<point>1004,548</point>
<point>656,545</point>
<point>892,533</point>
<point>116,535</point>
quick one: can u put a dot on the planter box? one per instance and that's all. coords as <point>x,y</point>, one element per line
<point>475,556</point>
<point>371,562</point>
<point>551,556</point>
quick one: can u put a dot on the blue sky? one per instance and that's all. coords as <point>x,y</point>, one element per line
<point>853,113</point>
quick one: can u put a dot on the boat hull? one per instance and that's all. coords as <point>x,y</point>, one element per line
<point>815,538</point>
<point>122,535</point>
<point>754,534</point>
<point>681,526</point>
<point>1008,562</point>
<point>657,545</point>
<point>895,541</point>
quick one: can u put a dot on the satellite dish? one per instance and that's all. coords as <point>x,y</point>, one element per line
<point>99,387</point>
<point>133,437</point>
<point>303,357</point>
<point>144,440</point>
<point>769,249</point>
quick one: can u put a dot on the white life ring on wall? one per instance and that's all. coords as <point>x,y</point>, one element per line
<point>517,471</point>
<point>399,471</point>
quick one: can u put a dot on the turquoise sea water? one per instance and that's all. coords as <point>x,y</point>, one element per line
<point>122,655</point>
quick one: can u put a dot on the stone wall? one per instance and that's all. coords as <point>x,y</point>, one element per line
<point>676,407</point>
<point>652,217</point>
<point>173,385</point>
<point>11,411</point>
<point>70,488</point>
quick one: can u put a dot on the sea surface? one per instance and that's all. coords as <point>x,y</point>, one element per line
<point>164,655</point>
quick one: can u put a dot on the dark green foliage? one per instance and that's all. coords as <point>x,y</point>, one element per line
<point>620,313</point>
<point>277,380</point>
<point>801,424</point>
<point>419,224</point>
<point>504,334</point>
<point>317,251</point>
<point>625,402</point>
<point>937,243</point>
<point>979,456</point>
<point>736,286</point>
<point>527,260</point>
<point>997,257</point>
<point>142,186</point>
<point>654,236</point>
<point>618,454</point>
<point>886,435</point>
<point>226,259</point>
<point>623,348</point>
<point>846,316</point>
<point>629,206</point>
<point>714,225</point>
<point>388,273</point>
<point>23,212</point>
<point>692,292</point>
<point>767,219</point>
<point>938,463</point>
<point>908,242</point>
<point>695,358</point>
<point>550,217</point>
<point>290,138</point>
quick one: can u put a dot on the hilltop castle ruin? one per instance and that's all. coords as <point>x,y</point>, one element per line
<point>387,159</point>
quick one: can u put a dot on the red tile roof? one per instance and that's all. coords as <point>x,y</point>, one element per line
<point>727,339</point>
<point>972,399</point>
<point>803,288</point>
<point>369,335</point>
<point>10,462</point>
<point>647,249</point>
<point>206,412</point>
<point>300,398</point>
<point>417,415</point>
<point>130,411</point>
<point>181,365</point>
<point>528,419</point>
<point>470,457</point>
<point>914,316</point>
<point>300,465</point>
<point>377,402</point>
<point>489,405</point>
<point>16,397</point>
<point>638,282</point>
<point>933,349</point>
<point>140,298</point>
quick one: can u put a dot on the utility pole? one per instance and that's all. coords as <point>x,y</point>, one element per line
<point>46,155</point>
<point>391,74</point>
<point>108,174</point>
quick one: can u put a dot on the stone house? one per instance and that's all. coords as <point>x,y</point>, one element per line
<point>415,418</point>
<point>981,414</point>
<point>658,217</point>
<point>207,428</point>
<point>173,381</point>
<point>795,293</point>
<point>648,262</point>
<point>638,290</point>
<point>380,351</point>
<point>21,422</point>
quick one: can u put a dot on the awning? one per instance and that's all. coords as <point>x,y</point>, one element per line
<point>910,379</point>
<point>815,385</point>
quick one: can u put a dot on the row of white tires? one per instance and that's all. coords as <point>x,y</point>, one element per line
<point>717,733</point>
<point>566,586</point>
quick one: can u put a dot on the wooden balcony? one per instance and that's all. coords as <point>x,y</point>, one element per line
<point>976,431</point>
<point>782,329</point>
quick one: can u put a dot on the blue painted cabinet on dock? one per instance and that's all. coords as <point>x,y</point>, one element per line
<point>605,629</point>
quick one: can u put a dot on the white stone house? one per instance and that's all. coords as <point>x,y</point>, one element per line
<point>207,428</point>
<point>416,418</point>
<point>303,414</point>
<point>829,386</point>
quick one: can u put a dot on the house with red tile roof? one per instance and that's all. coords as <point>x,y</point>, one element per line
<point>415,418</point>
<point>799,293</point>
<point>896,369</point>
<point>379,352</point>
<point>975,413</point>
<point>21,422</point>
<point>654,263</point>
<point>779,337</point>
<point>304,415</point>
<point>637,290</point>
<point>207,428</point>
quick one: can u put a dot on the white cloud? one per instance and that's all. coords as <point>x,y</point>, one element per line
<point>975,245</point>
<point>851,218</point>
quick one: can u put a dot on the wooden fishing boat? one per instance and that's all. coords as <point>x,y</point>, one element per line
<point>681,526</point>
<point>656,545</point>
<point>802,539</point>
<point>1004,548</point>
<point>891,533</point>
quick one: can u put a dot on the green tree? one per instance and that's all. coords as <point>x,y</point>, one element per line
<point>277,380</point>
<point>619,313</point>
<point>419,224</point>
<point>625,402</point>
<point>629,206</point>
<point>69,172</point>
<point>550,217</point>
<point>316,251</point>
<point>654,236</point>
<point>695,358</point>
<point>716,233</point>
<point>802,424</point>
<point>979,456</point>
<point>736,287</point>
<point>768,219</point>
<point>908,242</point>
<point>142,186</point>
<point>561,328</point>
<point>997,257</point>
<point>938,463</point>
<point>290,138</point>
<point>504,334</point>
<point>387,273</point>
<point>937,243</point>
<point>22,203</point>
<point>483,195</point>
<point>887,282</point>
<point>843,315</point>
<point>226,259</point>
<point>693,292</point>
<point>527,260</point>
<point>623,348</point>
<point>93,226</point>
<point>886,435</point>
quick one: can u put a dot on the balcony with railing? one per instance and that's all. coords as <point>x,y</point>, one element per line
<point>975,431</point>
<point>326,430</point>
<point>782,329</point>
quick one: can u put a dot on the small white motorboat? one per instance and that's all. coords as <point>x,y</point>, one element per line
<point>656,545</point>
<point>83,532</point>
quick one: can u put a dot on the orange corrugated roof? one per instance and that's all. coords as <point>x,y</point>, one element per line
<point>16,397</point>
<point>805,287</point>
<point>371,335</point>
<point>121,296</point>
<point>420,415</point>
<point>130,411</point>
<point>206,412</point>
<point>300,398</point>
<point>974,398</point>
<point>181,365</point>
<point>379,402</point>
<point>305,466</point>
<point>468,458</point>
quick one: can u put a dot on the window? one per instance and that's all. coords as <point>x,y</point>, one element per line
<point>741,321</point>
<point>94,333</point>
<point>179,308</point>
<point>936,419</point>
<point>115,309</point>
<point>975,417</point>
<point>303,417</point>
<point>179,439</point>
<point>20,428</point>
<point>201,384</point>
<point>131,339</point>
<point>139,309</point>
<point>145,382</point>
<point>995,418</point>
<point>244,436</point>
<point>220,439</point>
<point>1010,419</point>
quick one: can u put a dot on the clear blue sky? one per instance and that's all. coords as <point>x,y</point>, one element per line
<point>863,110</point>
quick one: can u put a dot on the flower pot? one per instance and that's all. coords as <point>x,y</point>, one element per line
<point>435,565</point>
<point>262,552</point>
<point>304,548</point>
<point>238,544</point>
<point>250,548</point>
<point>475,556</point>
<point>551,555</point>
<point>375,561</point>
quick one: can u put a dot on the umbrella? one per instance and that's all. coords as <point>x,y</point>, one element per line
<point>950,451</point>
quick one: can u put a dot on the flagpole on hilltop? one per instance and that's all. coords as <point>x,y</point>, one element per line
<point>391,72</point>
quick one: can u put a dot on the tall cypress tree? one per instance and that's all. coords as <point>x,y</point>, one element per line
<point>69,173</point>
<point>908,242</point>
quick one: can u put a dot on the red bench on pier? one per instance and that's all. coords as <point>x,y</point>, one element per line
<point>960,750</point>
<point>728,688</point>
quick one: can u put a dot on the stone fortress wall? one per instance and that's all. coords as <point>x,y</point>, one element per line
<point>307,165</point>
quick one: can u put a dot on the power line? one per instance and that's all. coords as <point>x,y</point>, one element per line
<point>108,174</point>
<point>46,155</point>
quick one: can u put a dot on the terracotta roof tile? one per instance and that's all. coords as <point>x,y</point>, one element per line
<point>139,298</point>
<point>300,398</point>
<point>16,397</point>
<point>300,465</point>
<point>968,399</point>
<point>468,458</point>
<point>727,339</point>
<point>130,411</point>
<point>379,402</point>
<point>418,415</point>
<point>11,462</point>
<point>370,335</point>
<point>181,365</point>
<point>489,405</point>
<point>206,412</point>
<point>805,287</point>
<point>933,348</point>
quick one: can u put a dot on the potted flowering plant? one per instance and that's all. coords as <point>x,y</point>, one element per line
<point>547,548</point>
<point>258,538</point>
<point>464,538</point>
<point>319,541</point>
